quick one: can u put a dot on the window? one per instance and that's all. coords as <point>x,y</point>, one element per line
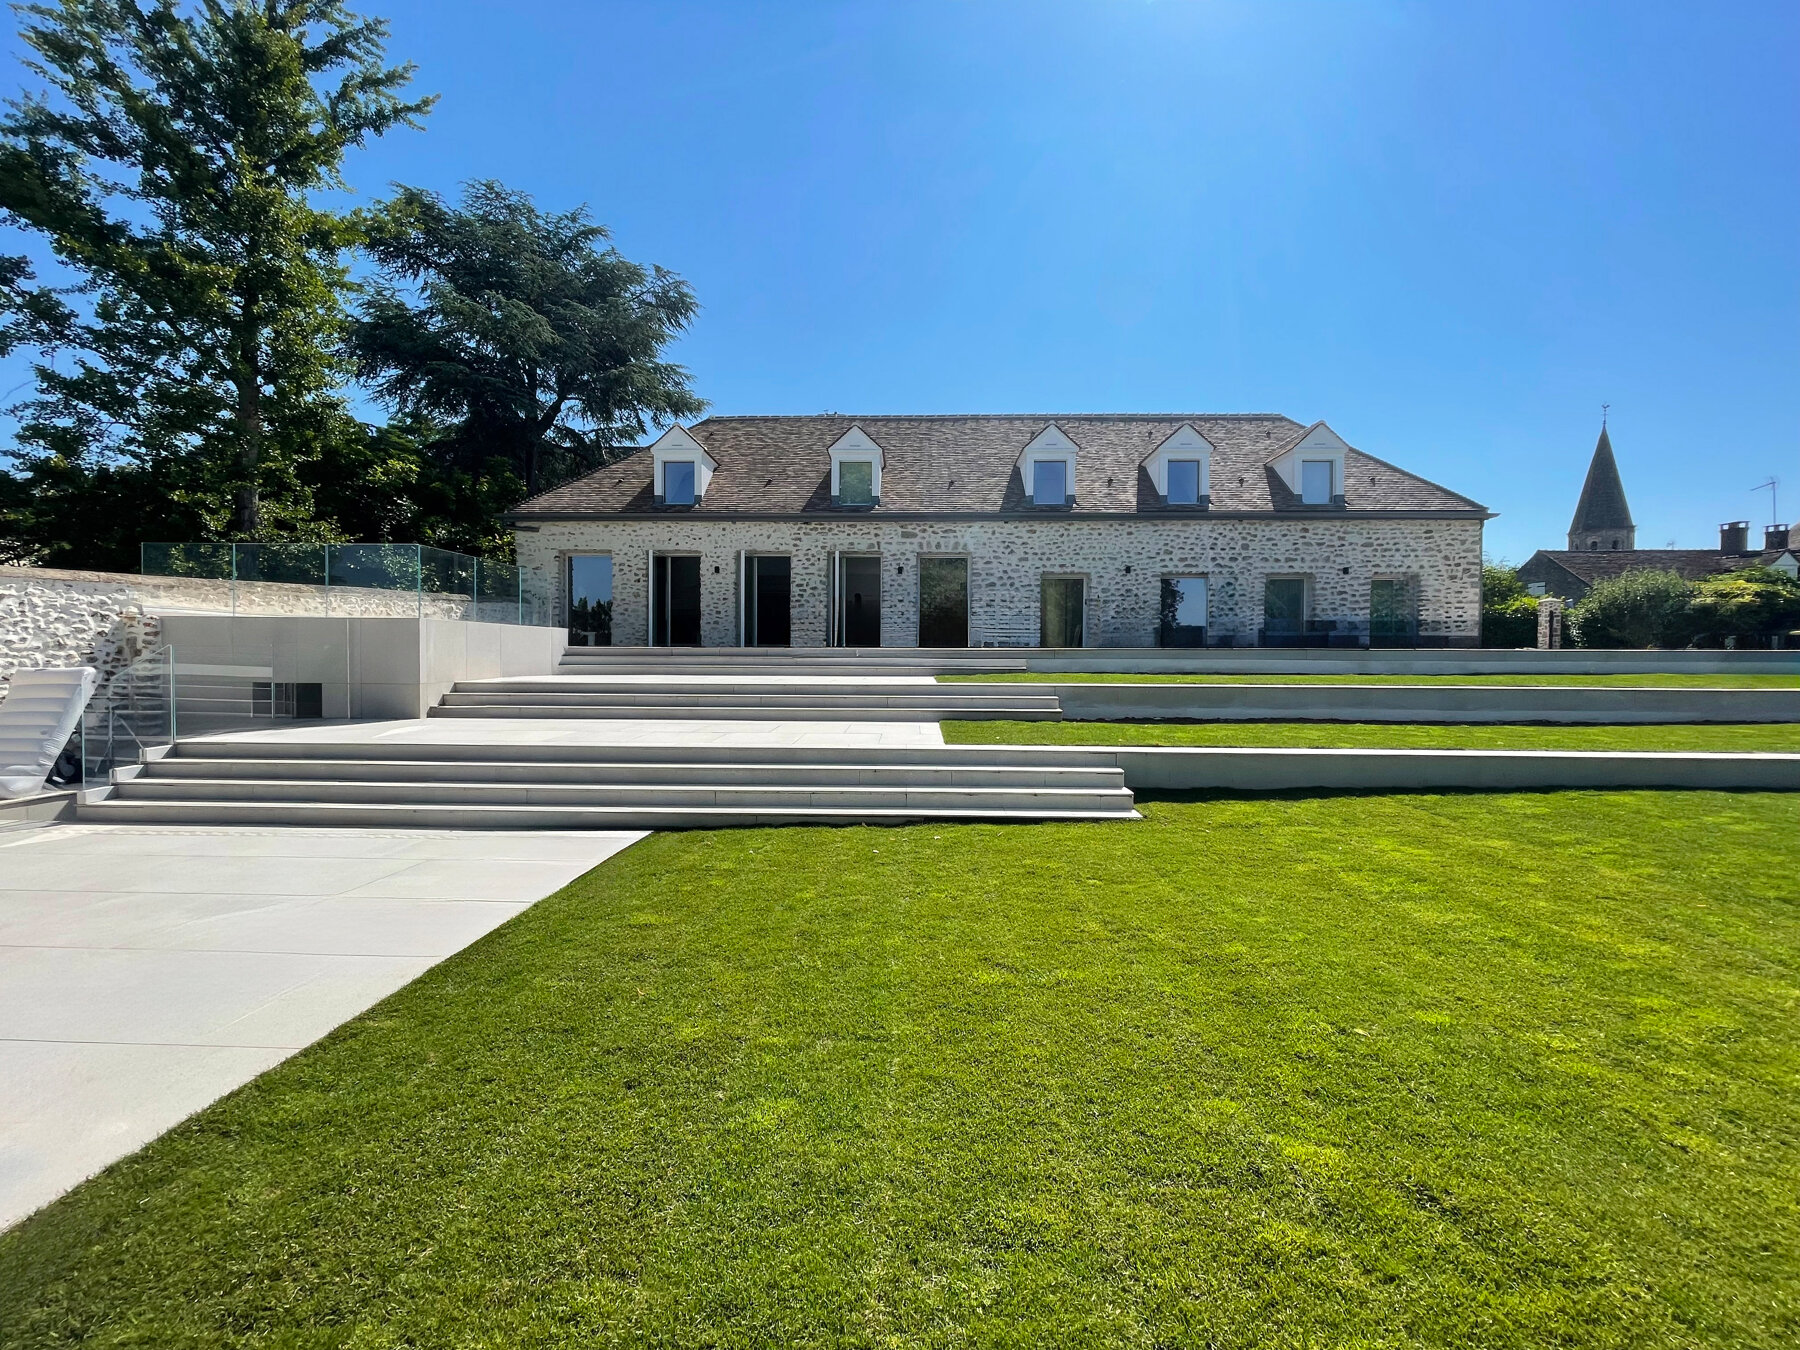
<point>1184,482</point>
<point>678,482</point>
<point>1183,612</point>
<point>1315,482</point>
<point>1390,613</point>
<point>590,599</point>
<point>856,483</point>
<point>1064,598</point>
<point>1049,482</point>
<point>1284,606</point>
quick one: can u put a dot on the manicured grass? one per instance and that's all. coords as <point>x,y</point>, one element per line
<point>1778,736</point>
<point>1384,1070</point>
<point>1623,681</point>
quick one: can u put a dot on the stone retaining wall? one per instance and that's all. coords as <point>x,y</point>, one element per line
<point>63,617</point>
<point>71,619</point>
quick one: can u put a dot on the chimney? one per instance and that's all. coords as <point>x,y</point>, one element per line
<point>1734,536</point>
<point>1775,537</point>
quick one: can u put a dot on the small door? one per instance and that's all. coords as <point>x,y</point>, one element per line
<point>768,591</point>
<point>1183,612</point>
<point>677,601</point>
<point>860,601</point>
<point>1063,600</point>
<point>943,602</point>
<point>590,600</point>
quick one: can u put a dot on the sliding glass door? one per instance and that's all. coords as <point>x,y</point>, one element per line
<point>675,613</point>
<point>768,590</point>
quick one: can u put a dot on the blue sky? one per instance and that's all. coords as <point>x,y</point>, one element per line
<point>1452,230</point>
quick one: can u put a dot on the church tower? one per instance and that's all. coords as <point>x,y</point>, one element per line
<point>1602,519</point>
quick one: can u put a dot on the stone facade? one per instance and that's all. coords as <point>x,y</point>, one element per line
<point>70,619</point>
<point>1122,561</point>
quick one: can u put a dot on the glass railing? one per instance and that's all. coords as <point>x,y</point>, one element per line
<point>346,580</point>
<point>129,716</point>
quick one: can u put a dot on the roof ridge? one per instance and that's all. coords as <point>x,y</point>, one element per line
<point>1019,416</point>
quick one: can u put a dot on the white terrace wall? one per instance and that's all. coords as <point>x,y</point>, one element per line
<point>1440,559</point>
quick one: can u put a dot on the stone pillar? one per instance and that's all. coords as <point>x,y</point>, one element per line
<point>1550,622</point>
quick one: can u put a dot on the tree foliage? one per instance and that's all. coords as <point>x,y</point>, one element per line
<point>169,163</point>
<point>538,345</point>
<point>1508,610</point>
<point>1645,608</point>
<point>1753,602</point>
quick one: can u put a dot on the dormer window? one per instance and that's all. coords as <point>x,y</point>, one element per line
<point>855,470</point>
<point>1315,482</point>
<point>856,483</point>
<point>1047,469</point>
<point>1312,467</point>
<point>682,469</point>
<point>1178,468</point>
<point>1184,482</point>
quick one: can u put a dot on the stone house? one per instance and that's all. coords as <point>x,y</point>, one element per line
<point>1055,531</point>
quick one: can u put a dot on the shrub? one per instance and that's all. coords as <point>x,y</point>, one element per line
<point>1752,603</point>
<point>1647,608</point>
<point>1508,611</point>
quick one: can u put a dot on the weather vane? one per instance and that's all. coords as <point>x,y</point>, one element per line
<point>1603,408</point>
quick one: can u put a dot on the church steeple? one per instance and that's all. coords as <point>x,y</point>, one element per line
<point>1602,519</point>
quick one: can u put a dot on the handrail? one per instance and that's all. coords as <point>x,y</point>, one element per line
<point>138,703</point>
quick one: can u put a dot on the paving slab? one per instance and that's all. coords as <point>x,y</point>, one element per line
<point>145,971</point>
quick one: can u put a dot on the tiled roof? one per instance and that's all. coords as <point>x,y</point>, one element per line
<point>1602,506</point>
<point>968,465</point>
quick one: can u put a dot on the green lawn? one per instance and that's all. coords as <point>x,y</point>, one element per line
<point>1778,736</point>
<point>1623,681</point>
<point>1360,1070</point>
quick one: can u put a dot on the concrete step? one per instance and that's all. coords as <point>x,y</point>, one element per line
<point>657,796</point>
<point>1034,711</point>
<point>557,786</point>
<point>874,661</point>
<point>350,748</point>
<point>760,696</point>
<point>603,772</point>
<point>116,810</point>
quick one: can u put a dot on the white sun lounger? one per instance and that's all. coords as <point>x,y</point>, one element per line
<point>39,714</point>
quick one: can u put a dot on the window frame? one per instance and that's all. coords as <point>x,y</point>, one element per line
<point>1166,628</point>
<point>1038,466</point>
<point>1169,482</point>
<point>693,482</point>
<point>844,498</point>
<point>1329,467</point>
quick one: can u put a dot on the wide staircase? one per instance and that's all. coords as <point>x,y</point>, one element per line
<point>776,683</point>
<point>542,777</point>
<point>561,787</point>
